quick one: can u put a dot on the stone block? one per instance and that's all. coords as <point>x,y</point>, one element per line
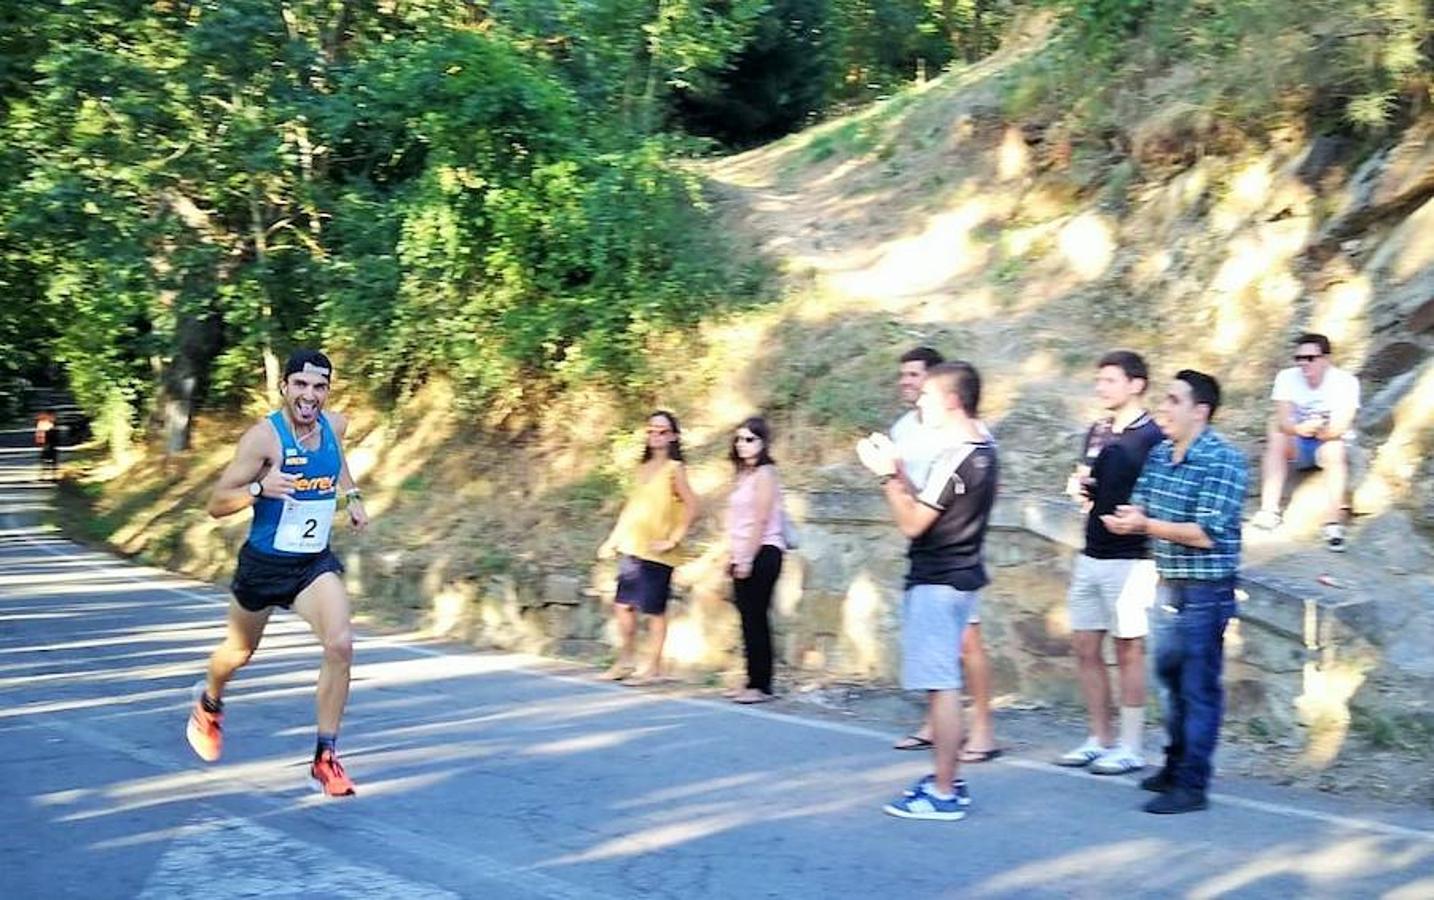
<point>565,590</point>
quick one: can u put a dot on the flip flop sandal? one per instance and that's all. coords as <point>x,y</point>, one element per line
<point>912,742</point>
<point>974,757</point>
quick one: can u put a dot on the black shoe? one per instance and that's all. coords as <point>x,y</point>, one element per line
<point>1161,782</point>
<point>1177,800</point>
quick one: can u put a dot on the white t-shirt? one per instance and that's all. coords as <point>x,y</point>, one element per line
<point>917,446</point>
<point>1337,390</point>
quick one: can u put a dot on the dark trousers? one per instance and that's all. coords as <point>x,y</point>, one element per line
<point>754,602</point>
<point>1189,657</point>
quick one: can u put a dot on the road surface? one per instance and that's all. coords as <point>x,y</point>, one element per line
<point>496,776</point>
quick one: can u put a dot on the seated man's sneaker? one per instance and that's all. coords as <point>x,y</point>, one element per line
<point>1334,537</point>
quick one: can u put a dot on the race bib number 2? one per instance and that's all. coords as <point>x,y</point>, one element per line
<point>304,526</point>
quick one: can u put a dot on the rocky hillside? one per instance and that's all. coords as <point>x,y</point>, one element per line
<point>935,217</point>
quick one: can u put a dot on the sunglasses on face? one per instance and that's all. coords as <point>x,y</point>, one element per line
<point>746,439</point>
<point>659,432</point>
<point>1306,357</point>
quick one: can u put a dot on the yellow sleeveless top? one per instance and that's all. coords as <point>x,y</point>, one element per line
<point>653,512</point>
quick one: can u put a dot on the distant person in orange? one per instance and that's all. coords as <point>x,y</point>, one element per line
<point>47,438</point>
<point>659,511</point>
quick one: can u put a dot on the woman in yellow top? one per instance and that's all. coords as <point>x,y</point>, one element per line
<point>655,519</point>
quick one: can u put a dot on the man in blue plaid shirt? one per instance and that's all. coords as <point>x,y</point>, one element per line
<point>1189,500</point>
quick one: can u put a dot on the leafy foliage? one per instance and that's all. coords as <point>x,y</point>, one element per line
<point>195,186</point>
<point>493,191</point>
<point>1354,66</point>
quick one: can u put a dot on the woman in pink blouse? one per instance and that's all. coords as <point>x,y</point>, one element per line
<point>756,545</point>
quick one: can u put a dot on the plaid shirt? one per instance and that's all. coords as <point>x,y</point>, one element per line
<point>1207,487</point>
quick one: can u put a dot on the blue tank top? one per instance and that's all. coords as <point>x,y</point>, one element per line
<point>300,526</point>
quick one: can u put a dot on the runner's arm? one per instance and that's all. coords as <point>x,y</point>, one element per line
<point>253,461</point>
<point>340,424</point>
<point>353,504</point>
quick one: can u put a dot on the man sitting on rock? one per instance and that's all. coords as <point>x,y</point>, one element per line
<point>1315,403</point>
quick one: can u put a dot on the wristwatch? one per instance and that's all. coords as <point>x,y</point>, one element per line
<point>255,489</point>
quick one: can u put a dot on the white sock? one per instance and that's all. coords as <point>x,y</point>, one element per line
<point>1132,727</point>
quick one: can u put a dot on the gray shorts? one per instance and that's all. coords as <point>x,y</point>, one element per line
<point>932,619</point>
<point>1112,595</point>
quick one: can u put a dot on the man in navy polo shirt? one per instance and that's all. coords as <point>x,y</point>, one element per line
<point>1188,500</point>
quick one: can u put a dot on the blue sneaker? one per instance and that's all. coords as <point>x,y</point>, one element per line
<point>963,794</point>
<point>925,805</point>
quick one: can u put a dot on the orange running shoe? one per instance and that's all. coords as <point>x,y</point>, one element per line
<point>329,773</point>
<point>205,731</point>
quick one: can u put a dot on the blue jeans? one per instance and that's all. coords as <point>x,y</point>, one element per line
<point>1190,620</point>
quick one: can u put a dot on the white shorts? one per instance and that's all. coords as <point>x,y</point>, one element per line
<point>1112,595</point>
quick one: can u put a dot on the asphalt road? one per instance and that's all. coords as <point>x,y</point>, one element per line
<point>494,776</point>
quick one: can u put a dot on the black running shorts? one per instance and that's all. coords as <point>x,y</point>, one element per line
<point>262,580</point>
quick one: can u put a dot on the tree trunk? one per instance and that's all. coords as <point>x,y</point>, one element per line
<point>198,340</point>
<point>261,255</point>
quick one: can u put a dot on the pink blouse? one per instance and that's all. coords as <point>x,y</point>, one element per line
<point>742,519</point>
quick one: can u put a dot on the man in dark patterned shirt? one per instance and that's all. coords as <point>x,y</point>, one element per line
<point>1189,500</point>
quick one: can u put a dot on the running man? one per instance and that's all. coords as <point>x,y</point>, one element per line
<point>1113,579</point>
<point>945,518</point>
<point>290,468</point>
<point>916,448</point>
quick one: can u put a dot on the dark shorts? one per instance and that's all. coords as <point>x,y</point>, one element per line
<point>50,453</point>
<point>262,580</point>
<point>644,584</point>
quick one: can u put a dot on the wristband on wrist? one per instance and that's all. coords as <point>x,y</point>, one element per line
<point>883,479</point>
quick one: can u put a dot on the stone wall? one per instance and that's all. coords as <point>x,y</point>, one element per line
<point>1296,660</point>
<point>1304,653</point>
<point>836,611</point>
